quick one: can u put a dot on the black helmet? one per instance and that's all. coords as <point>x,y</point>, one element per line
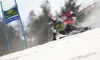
<point>73,15</point>
<point>49,19</point>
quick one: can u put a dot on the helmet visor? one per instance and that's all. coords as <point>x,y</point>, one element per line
<point>50,23</point>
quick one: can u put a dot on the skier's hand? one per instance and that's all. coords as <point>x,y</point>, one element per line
<point>73,15</point>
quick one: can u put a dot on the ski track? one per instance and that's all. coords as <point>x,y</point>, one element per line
<point>82,46</point>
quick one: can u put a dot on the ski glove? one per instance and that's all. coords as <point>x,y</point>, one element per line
<point>73,15</point>
<point>54,36</point>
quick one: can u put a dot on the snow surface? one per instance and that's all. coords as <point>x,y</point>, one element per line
<point>82,46</point>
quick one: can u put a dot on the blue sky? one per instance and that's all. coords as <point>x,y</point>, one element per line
<point>25,6</point>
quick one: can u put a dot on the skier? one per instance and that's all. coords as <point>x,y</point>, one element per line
<point>61,26</point>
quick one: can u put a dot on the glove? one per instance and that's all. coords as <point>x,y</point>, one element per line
<point>54,36</point>
<point>73,15</point>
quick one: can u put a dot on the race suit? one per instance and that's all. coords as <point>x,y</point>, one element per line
<point>60,24</point>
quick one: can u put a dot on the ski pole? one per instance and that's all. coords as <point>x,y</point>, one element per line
<point>87,7</point>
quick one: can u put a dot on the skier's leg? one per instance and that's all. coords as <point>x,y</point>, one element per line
<point>81,29</point>
<point>71,28</point>
<point>64,32</point>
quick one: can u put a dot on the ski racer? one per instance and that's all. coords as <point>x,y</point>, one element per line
<point>61,26</point>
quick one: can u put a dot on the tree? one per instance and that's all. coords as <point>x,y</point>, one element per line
<point>31,29</point>
<point>39,27</point>
<point>43,22</point>
<point>13,39</point>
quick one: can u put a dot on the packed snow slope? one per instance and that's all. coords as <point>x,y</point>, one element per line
<point>82,46</point>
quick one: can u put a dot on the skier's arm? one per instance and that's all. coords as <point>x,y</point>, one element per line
<point>66,17</point>
<point>72,15</point>
<point>62,18</point>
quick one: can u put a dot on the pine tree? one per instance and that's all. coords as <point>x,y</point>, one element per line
<point>39,26</point>
<point>43,18</point>
<point>31,20</point>
<point>32,29</point>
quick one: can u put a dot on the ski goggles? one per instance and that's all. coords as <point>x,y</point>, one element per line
<point>50,23</point>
